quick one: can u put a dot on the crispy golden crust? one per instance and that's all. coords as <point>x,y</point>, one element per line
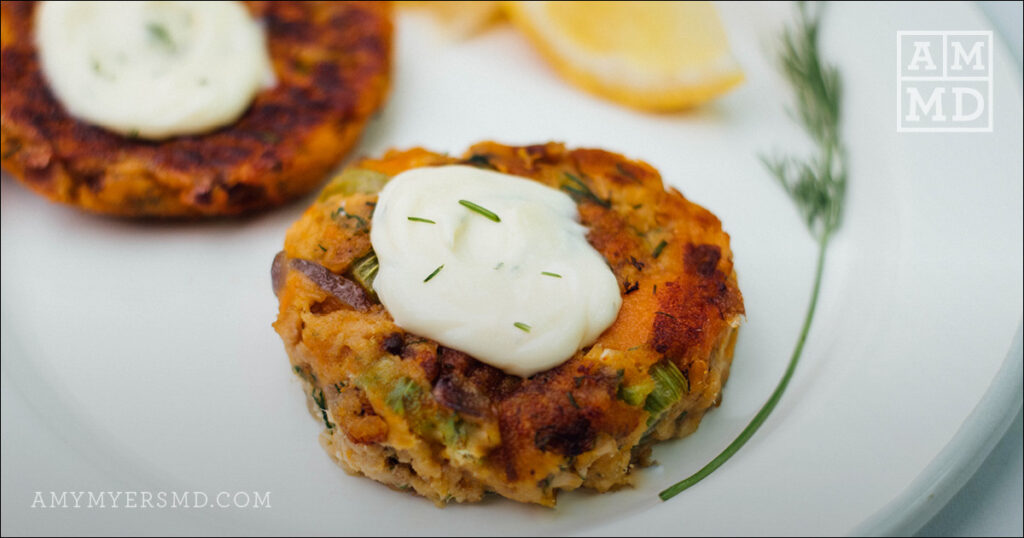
<point>523,438</point>
<point>332,63</point>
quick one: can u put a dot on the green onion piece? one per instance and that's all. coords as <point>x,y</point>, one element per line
<point>632,394</point>
<point>404,396</point>
<point>364,270</point>
<point>522,326</point>
<point>432,275</point>
<point>556,275</point>
<point>657,250</point>
<point>420,219</point>
<point>669,386</point>
<point>482,210</point>
<point>352,181</point>
<point>453,430</point>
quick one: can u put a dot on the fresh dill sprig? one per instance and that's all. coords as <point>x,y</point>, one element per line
<point>817,186</point>
<point>522,326</point>
<point>548,273</point>
<point>421,219</point>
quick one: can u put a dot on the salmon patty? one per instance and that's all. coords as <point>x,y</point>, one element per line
<point>415,415</point>
<point>332,63</point>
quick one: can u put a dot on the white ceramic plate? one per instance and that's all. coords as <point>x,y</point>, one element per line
<point>140,357</point>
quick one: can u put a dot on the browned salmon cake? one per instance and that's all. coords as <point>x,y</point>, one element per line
<point>405,411</point>
<point>331,61</point>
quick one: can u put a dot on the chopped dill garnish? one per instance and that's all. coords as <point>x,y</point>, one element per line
<point>556,275</point>
<point>657,250</point>
<point>321,402</point>
<point>268,137</point>
<point>479,161</point>
<point>622,170</point>
<point>522,326</point>
<point>432,275</point>
<point>321,247</point>
<point>481,210</point>
<point>579,191</point>
<point>160,34</point>
<point>572,400</point>
<point>421,219</point>
<point>340,212</point>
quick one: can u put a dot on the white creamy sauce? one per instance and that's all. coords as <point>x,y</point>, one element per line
<point>523,294</point>
<point>153,69</point>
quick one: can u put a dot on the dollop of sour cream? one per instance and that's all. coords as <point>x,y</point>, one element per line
<point>490,264</point>
<point>153,69</point>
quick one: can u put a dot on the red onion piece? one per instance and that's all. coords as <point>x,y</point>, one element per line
<point>278,271</point>
<point>340,287</point>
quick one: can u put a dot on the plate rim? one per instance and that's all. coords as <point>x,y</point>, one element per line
<point>985,425</point>
<point>957,462</point>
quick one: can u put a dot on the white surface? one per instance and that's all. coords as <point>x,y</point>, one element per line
<point>140,356</point>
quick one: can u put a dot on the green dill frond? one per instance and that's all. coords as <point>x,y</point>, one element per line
<point>816,184</point>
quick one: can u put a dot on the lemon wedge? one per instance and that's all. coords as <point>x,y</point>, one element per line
<point>659,56</point>
<point>460,20</point>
